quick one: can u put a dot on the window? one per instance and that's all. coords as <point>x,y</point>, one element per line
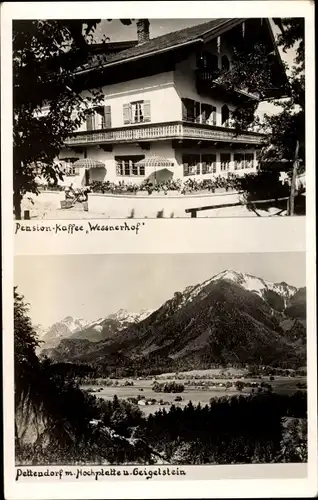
<point>212,117</point>
<point>225,115</point>
<point>243,160</point>
<point>188,110</point>
<point>99,118</point>
<point>208,164</point>
<point>191,164</point>
<point>206,110</point>
<point>197,112</point>
<point>193,111</point>
<point>126,166</point>
<point>249,160</point>
<point>225,63</point>
<point>225,162</point>
<point>238,161</point>
<point>68,167</point>
<point>136,112</point>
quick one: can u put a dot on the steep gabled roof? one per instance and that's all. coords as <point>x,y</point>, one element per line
<point>167,42</point>
<point>200,33</point>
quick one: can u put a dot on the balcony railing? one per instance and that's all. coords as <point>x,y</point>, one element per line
<point>172,130</point>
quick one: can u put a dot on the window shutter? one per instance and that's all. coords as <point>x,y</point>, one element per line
<point>107,116</point>
<point>127,113</point>
<point>147,117</point>
<point>90,121</point>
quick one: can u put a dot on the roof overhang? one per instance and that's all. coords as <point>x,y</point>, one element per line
<point>204,38</point>
<point>140,56</point>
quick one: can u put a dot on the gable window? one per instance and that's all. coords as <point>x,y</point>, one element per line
<point>206,60</point>
<point>191,164</point>
<point>225,161</point>
<point>208,164</point>
<point>126,166</point>
<point>136,112</point>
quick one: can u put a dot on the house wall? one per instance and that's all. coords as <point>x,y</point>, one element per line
<point>158,89</point>
<point>164,91</point>
<point>185,81</point>
<point>160,148</point>
<point>217,151</point>
<point>163,149</point>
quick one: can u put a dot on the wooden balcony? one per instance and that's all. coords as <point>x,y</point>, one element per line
<point>162,131</point>
<point>207,82</point>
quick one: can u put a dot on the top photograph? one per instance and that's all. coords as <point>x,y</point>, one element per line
<point>158,118</point>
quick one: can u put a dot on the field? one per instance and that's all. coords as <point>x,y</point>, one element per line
<point>196,392</point>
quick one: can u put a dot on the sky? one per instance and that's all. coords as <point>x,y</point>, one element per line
<point>94,286</point>
<point>116,31</point>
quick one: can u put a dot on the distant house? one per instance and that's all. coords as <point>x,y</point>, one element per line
<point>142,402</point>
<point>164,114</point>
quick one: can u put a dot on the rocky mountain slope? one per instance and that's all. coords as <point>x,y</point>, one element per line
<point>230,318</point>
<point>106,328</point>
<point>101,329</point>
<point>61,330</point>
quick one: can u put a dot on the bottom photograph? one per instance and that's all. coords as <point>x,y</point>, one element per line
<point>187,359</point>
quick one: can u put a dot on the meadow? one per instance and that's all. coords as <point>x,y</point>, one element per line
<point>200,386</point>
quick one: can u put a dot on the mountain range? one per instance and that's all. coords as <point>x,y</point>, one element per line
<point>95,331</point>
<point>230,318</point>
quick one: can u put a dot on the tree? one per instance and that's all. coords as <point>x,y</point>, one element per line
<point>58,415</point>
<point>287,137</point>
<point>239,385</point>
<point>253,69</point>
<point>47,100</point>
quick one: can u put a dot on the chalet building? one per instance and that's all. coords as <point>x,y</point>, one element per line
<point>164,114</point>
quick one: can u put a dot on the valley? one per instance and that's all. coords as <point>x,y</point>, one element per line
<point>200,386</point>
<point>227,354</point>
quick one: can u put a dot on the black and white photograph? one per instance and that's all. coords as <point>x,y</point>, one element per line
<point>147,354</point>
<point>158,118</point>
<point>179,359</point>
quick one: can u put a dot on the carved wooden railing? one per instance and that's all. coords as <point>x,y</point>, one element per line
<point>171,130</point>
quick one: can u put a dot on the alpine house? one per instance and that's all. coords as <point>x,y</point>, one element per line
<point>164,113</point>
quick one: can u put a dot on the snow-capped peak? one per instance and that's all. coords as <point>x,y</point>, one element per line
<point>256,285</point>
<point>74,324</point>
<point>251,283</point>
<point>130,317</point>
